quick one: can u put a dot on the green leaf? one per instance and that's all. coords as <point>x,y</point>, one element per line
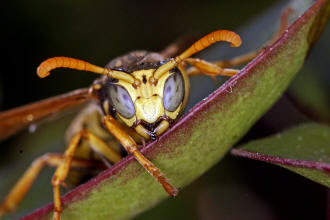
<point>201,138</point>
<point>304,150</point>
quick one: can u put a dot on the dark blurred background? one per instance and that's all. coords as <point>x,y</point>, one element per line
<point>98,31</point>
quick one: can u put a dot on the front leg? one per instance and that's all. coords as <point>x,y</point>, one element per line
<point>131,147</point>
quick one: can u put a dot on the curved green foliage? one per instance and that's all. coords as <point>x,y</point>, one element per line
<point>304,150</point>
<point>201,138</point>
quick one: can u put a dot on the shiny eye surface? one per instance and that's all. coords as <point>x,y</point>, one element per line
<point>173,91</point>
<point>121,101</point>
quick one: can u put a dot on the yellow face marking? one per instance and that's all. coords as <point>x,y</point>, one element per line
<point>149,109</point>
<point>174,115</point>
<point>128,121</point>
<point>148,98</point>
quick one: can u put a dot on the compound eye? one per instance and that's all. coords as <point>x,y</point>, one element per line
<point>121,101</point>
<point>173,91</point>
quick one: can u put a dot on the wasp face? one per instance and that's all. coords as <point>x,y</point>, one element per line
<point>149,105</point>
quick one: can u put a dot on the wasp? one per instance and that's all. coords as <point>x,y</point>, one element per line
<point>136,99</point>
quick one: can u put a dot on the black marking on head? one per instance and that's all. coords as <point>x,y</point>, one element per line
<point>152,136</point>
<point>175,69</point>
<point>144,79</point>
<point>137,60</point>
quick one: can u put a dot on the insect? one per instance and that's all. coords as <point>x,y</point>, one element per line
<point>136,99</point>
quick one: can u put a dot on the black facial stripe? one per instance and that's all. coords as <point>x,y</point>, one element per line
<point>144,80</point>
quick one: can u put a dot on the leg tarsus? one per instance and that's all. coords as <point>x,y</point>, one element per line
<point>245,58</point>
<point>284,24</point>
<point>57,203</point>
<point>62,172</point>
<point>239,60</point>
<point>63,169</point>
<point>131,147</point>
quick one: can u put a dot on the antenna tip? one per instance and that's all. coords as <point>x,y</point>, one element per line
<point>236,41</point>
<point>42,72</point>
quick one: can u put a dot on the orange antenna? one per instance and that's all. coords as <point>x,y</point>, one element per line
<point>220,35</point>
<point>71,63</point>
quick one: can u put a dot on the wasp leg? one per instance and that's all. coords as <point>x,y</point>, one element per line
<point>131,147</point>
<point>23,185</point>
<point>200,67</point>
<point>206,68</point>
<point>62,170</point>
<point>284,24</point>
<point>239,60</point>
<point>245,58</point>
<point>203,67</point>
